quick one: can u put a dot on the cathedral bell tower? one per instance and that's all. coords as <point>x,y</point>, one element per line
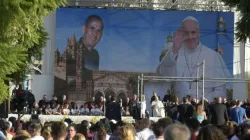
<point>79,68</point>
<point>167,46</point>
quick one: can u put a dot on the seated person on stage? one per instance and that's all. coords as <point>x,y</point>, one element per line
<point>123,112</point>
<point>74,111</point>
<point>95,110</point>
<point>66,110</point>
<point>48,110</point>
<point>57,110</point>
<point>74,108</point>
<point>81,109</point>
<point>36,109</point>
<point>43,109</point>
<point>53,102</point>
<point>100,110</point>
<point>84,109</point>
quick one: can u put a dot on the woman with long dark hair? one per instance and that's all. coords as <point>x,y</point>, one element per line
<point>101,133</point>
<point>211,132</point>
<point>84,129</point>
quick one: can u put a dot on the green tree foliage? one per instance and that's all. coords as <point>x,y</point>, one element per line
<point>35,51</point>
<point>242,26</point>
<point>21,36</point>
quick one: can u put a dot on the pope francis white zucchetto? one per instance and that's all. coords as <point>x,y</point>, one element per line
<point>185,64</point>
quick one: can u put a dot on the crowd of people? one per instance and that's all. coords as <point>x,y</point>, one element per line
<point>186,119</point>
<point>143,129</point>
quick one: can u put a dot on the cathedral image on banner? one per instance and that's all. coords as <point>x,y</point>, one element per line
<point>69,78</point>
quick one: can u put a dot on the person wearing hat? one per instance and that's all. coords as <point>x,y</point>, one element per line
<point>183,57</point>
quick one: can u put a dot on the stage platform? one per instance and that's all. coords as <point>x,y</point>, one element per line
<point>75,119</point>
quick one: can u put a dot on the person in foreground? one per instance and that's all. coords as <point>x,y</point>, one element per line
<point>177,132</point>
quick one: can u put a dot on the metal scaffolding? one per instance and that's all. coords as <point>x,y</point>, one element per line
<point>190,5</point>
<point>196,79</point>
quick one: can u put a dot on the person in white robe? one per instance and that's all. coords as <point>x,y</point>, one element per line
<point>183,57</point>
<point>158,108</point>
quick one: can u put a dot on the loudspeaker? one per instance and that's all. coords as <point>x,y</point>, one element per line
<point>4,110</point>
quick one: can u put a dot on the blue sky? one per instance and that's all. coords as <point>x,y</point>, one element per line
<point>133,39</point>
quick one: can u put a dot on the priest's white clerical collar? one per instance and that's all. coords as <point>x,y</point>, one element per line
<point>195,49</point>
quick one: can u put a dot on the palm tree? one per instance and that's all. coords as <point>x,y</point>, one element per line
<point>242,26</point>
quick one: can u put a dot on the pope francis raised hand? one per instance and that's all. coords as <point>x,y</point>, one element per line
<point>182,60</point>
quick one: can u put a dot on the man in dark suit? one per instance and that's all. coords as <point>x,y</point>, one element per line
<point>218,113</point>
<point>166,98</point>
<point>113,110</point>
<point>185,110</point>
<point>134,107</point>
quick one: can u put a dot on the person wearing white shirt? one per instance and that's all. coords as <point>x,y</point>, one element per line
<point>158,108</point>
<point>35,131</point>
<point>48,110</point>
<point>182,58</point>
<point>84,110</point>
<point>100,112</point>
<point>73,111</point>
<point>66,110</point>
<point>56,110</point>
<point>93,111</point>
<point>97,111</point>
<point>146,133</point>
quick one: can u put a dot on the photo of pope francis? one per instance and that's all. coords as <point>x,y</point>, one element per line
<point>183,56</point>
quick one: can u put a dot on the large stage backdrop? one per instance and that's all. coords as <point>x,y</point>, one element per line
<point>101,51</point>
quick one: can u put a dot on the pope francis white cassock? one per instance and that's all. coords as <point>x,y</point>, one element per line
<point>182,58</point>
